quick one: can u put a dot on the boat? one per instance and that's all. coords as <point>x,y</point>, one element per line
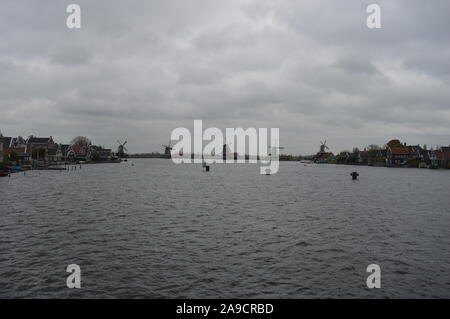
<point>56,168</point>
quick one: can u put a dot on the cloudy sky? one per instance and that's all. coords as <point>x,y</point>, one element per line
<point>138,69</point>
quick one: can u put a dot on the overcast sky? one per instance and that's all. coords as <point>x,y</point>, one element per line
<point>138,69</point>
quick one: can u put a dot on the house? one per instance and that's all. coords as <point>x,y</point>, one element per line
<point>61,152</point>
<point>77,153</point>
<point>353,158</point>
<point>342,158</point>
<point>322,158</point>
<point>6,142</point>
<point>18,142</point>
<point>363,157</point>
<point>420,154</point>
<point>52,154</point>
<point>382,153</point>
<point>378,157</point>
<point>23,155</point>
<point>14,146</point>
<point>20,154</point>
<point>6,150</point>
<point>41,148</point>
<point>398,155</point>
<point>98,153</point>
<point>441,157</point>
<point>19,146</point>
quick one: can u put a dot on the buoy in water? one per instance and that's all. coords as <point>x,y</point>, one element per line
<point>354,175</point>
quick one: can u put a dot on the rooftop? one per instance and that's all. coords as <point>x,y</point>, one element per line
<point>40,140</point>
<point>400,151</point>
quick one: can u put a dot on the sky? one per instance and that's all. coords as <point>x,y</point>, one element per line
<point>138,69</point>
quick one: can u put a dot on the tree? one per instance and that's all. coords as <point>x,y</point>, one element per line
<point>355,150</point>
<point>95,157</point>
<point>373,151</point>
<point>42,153</point>
<point>13,157</point>
<point>34,154</point>
<point>81,141</point>
<point>394,143</point>
<point>38,153</point>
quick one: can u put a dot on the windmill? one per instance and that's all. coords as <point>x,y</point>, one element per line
<point>225,148</point>
<point>168,149</point>
<point>323,147</point>
<point>274,149</point>
<point>122,149</point>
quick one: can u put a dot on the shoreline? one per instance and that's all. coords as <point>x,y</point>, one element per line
<point>67,166</point>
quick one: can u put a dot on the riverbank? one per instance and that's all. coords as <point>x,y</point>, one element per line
<point>6,171</point>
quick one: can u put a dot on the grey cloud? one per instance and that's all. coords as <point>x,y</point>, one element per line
<point>357,65</point>
<point>72,56</point>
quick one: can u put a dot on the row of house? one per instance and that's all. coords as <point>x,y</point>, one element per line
<point>45,149</point>
<point>398,154</point>
<point>394,153</point>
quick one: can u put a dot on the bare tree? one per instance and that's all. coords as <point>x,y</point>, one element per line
<point>81,141</point>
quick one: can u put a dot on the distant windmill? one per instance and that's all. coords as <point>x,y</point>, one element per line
<point>168,149</point>
<point>225,150</point>
<point>274,149</point>
<point>122,149</point>
<point>323,147</point>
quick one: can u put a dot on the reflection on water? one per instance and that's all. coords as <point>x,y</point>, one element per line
<point>157,229</point>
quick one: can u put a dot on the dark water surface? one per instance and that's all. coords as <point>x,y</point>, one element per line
<point>157,229</point>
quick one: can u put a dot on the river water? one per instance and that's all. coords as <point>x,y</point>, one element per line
<point>159,230</point>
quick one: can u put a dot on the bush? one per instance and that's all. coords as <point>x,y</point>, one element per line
<point>13,157</point>
<point>95,157</point>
